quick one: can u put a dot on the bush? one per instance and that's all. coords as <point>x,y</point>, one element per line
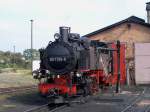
<point>0,71</point>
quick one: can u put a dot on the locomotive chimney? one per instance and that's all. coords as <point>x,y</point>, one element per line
<point>64,32</point>
<point>148,12</point>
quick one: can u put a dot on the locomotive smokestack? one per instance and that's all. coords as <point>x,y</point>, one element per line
<point>64,32</point>
<point>148,12</point>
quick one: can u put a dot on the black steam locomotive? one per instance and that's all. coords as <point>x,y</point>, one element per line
<point>74,65</point>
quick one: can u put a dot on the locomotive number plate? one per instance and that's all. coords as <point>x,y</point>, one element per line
<point>57,59</point>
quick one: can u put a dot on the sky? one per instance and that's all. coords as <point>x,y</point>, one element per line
<point>83,16</point>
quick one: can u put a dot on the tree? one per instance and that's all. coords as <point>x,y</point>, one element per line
<point>27,54</point>
<point>9,59</point>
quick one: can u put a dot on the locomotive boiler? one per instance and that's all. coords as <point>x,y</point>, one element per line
<point>74,65</point>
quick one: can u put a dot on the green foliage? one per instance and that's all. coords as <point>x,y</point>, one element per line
<point>27,54</point>
<point>9,59</point>
<point>17,60</point>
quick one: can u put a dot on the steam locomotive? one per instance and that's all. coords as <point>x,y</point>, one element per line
<point>74,65</point>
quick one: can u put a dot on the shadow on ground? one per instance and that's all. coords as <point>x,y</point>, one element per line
<point>28,98</point>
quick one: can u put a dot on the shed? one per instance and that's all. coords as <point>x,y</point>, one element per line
<point>130,31</point>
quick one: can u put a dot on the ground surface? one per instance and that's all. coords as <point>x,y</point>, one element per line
<point>105,101</point>
<point>19,102</point>
<point>108,102</point>
<point>16,79</point>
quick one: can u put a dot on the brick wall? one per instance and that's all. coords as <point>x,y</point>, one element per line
<point>129,33</point>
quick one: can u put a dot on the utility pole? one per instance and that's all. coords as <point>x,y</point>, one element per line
<point>31,43</point>
<point>14,50</point>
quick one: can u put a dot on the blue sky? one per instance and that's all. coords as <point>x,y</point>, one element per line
<point>83,16</point>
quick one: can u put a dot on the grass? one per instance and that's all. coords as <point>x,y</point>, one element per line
<point>4,97</point>
<point>16,78</point>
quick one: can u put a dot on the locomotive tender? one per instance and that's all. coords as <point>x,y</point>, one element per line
<point>74,65</point>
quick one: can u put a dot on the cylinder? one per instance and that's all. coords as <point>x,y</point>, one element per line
<point>64,32</point>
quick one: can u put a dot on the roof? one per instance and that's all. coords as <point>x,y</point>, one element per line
<point>131,19</point>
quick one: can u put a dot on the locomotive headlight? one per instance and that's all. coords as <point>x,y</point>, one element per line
<point>78,75</point>
<point>47,71</point>
<point>56,36</point>
<point>58,76</point>
<point>35,75</point>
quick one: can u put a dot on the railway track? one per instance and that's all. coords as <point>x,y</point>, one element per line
<point>148,109</point>
<point>132,107</point>
<point>54,108</point>
<point>47,108</point>
<point>16,89</point>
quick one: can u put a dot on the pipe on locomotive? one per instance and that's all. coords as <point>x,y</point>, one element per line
<point>64,33</point>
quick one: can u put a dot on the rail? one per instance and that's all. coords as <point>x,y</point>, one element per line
<point>132,105</point>
<point>17,89</point>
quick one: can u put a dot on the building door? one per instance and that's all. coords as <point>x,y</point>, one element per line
<point>142,63</point>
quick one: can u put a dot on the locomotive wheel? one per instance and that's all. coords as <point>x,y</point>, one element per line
<point>94,86</point>
<point>91,87</point>
<point>87,91</point>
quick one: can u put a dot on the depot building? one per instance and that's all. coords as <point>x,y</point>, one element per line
<point>135,33</point>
